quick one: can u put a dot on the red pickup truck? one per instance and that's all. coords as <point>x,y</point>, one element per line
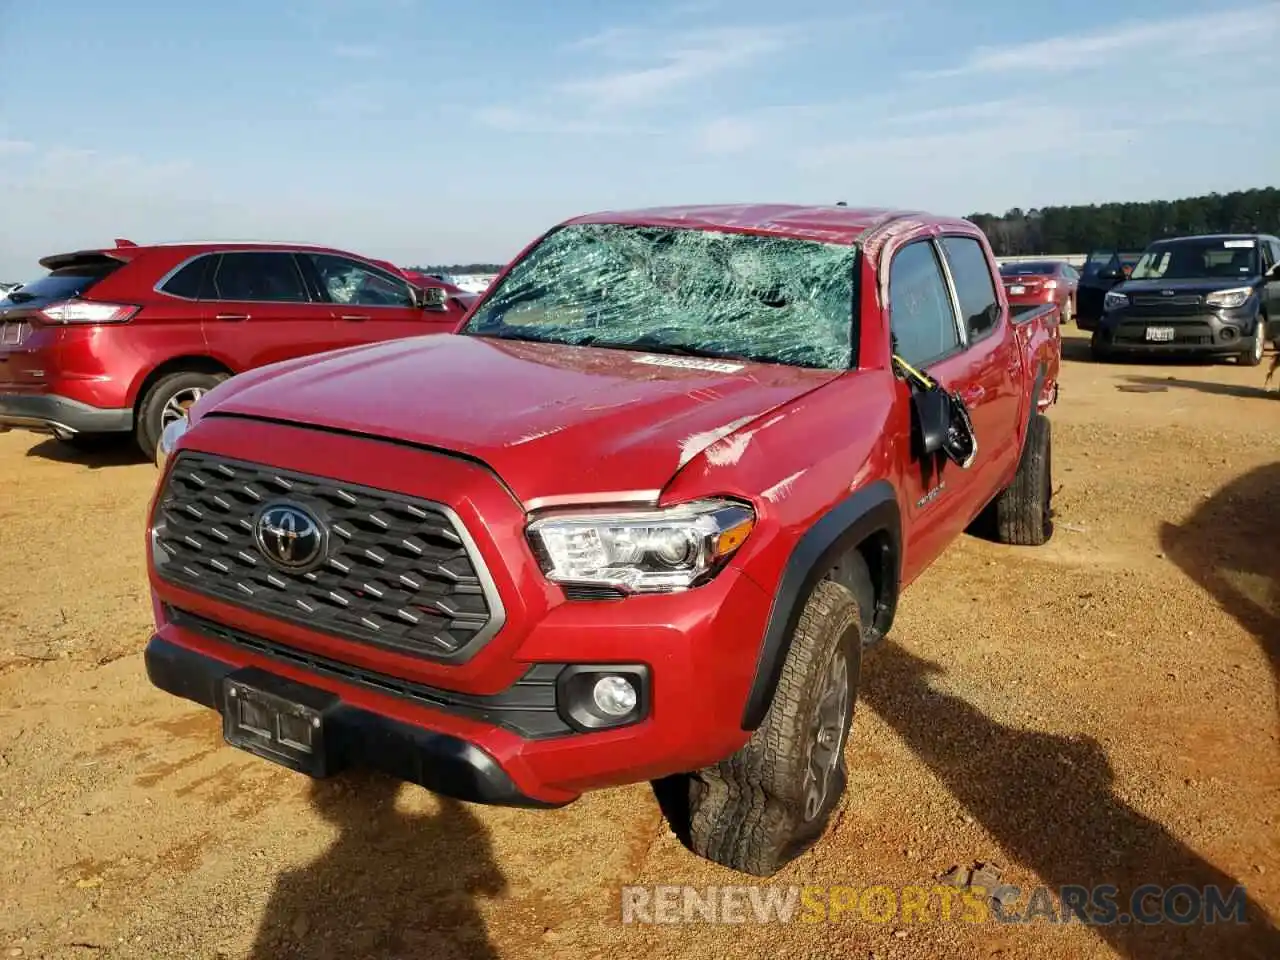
<point>635,521</point>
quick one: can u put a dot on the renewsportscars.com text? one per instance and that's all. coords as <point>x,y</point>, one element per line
<point>1094,906</point>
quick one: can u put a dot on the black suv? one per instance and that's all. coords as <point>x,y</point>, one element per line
<point>1211,295</point>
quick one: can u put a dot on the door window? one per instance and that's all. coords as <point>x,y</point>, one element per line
<point>975,289</point>
<point>922,317</point>
<point>264,277</point>
<point>351,283</point>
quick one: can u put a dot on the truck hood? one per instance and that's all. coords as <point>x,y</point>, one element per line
<point>552,421</point>
<point>1196,285</point>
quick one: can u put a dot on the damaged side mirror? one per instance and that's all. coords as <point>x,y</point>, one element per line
<point>941,419</point>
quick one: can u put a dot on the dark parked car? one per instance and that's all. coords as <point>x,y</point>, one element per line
<point>1029,283</point>
<point>123,339</point>
<point>1102,270</point>
<point>1212,295</point>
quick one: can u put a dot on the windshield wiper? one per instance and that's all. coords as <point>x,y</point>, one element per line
<point>658,345</point>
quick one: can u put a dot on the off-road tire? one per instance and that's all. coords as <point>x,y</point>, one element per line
<point>748,812</point>
<point>1253,356</point>
<point>148,425</point>
<point>1098,348</point>
<point>1022,513</point>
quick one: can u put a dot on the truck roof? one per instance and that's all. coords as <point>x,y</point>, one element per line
<point>825,224</point>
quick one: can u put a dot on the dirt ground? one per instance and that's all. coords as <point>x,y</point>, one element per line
<point>1100,710</point>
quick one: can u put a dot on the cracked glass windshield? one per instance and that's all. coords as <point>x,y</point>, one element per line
<point>680,291</point>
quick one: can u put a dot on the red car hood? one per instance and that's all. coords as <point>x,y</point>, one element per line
<point>552,421</point>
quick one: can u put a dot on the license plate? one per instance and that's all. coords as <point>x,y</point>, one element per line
<point>1160,334</point>
<point>278,720</point>
<point>1017,288</point>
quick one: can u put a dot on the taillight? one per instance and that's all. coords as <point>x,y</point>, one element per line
<point>1051,284</point>
<point>85,311</point>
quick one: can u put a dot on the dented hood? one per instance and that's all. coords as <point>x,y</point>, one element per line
<point>551,420</point>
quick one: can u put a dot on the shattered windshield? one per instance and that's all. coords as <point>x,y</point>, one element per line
<point>681,291</point>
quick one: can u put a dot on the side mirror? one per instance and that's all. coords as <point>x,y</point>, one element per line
<point>1108,274</point>
<point>944,425</point>
<point>430,298</point>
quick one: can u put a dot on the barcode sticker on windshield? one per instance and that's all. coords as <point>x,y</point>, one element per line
<point>1238,243</point>
<point>690,363</point>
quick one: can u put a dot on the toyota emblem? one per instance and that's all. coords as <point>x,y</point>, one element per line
<point>290,536</point>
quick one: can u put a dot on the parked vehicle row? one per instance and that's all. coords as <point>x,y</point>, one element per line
<point>590,538</point>
<point>122,340</point>
<point>1215,296</point>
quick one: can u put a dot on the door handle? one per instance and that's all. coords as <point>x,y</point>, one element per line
<point>353,316</point>
<point>231,316</point>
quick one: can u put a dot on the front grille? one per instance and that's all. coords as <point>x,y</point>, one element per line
<point>527,707</point>
<point>399,572</point>
<point>1183,304</point>
<point>1185,334</point>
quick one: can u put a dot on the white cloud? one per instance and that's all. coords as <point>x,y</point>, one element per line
<point>667,61</point>
<point>1200,36</point>
<point>510,119</point>
<point>13,147</point>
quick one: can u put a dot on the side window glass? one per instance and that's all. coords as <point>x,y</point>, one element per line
<point>261,277</point>
<point>921,315</point>
<point>354,284</point>
<point>974,287</point>
<point>1268,256</point>
<point>188,282</point>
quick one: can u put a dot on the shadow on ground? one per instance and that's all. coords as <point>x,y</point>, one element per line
<point>1230,546</point>
<point>94,454</point>
<point>391,885</point>
<point>1049,801</point>
<point>1203,386</point>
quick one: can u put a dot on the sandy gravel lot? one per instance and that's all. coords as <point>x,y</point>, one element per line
<point>1102,710</point>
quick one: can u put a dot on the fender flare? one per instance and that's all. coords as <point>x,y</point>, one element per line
<point>872,510</point>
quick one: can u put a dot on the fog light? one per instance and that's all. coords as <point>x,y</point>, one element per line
<point>614,696</point>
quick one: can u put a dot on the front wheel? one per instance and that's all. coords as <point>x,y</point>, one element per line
<point>764,806</point>
<point>168,400</point>
<point>1253,356</point>
<point>1098,349</point>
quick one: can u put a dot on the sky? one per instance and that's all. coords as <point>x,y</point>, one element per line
<point>426,131</point>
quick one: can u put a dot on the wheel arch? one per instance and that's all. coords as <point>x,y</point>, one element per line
<point>187,363</point>
<point>867,526</point>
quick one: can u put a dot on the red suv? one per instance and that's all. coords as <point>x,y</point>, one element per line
<point>124,339</point>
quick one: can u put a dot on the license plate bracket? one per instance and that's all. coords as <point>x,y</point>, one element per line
<point>1017,288</point>
<point>279,720</point>
<point>1160,334</point>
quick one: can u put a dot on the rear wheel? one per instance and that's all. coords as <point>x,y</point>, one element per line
<point>1253,356</point>
<point>1023,511</point>
<point>1068,312</point>
<point>168,400</point>
<point>764,806</point>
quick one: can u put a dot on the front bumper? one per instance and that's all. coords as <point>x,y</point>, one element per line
<point>356,737</point>
<point>1213,334</point>
<point>48,412</point>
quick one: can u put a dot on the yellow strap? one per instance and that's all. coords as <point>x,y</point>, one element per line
<point>928,383</point>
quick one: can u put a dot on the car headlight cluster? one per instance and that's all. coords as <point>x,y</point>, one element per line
<point>1114,301</point>
<point>1229,299</point>
<point>169,438</point>
<point>648,551</point>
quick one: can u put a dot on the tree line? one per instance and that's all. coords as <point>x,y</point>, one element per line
<point>1127,226</point>
<point>459,268</point>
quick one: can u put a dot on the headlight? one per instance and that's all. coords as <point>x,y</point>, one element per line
<point>1114,301</point>
<point>650,551</point>
<point>169,438</point>
<point>1230,299</point>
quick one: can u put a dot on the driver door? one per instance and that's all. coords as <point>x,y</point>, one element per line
<point>939,497</point>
